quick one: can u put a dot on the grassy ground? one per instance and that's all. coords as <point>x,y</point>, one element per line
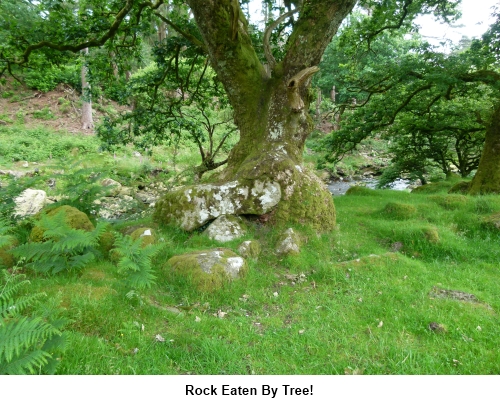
<point>371,297</point>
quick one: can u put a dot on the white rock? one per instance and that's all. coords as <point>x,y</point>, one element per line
<point>225,228</point>
<point>30,202</point>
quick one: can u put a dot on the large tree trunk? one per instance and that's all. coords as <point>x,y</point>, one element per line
<point>487,177</point>
<point>265,171</point>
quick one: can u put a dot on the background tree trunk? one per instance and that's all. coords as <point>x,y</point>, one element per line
<point>487,177</point>
<point>87,121</point>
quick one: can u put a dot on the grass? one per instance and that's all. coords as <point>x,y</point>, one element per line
<point>346,304</point>
<point>356,300</point>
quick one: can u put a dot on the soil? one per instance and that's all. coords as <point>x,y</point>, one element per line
<point>63,102</point>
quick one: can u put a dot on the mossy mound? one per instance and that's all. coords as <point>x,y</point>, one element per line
<point>147,235</point>
<point>433,188</point>
<point>208,270</point>
<point>288,243</point>
<point>431,234</point>
<point>400,211</point>
<point>460,188</point>
<point>249,248</point>
<point>6,258</point>
<point>450,202</point>
<point>360,190</point>
<point>106,242</point>
<point>492,222</point>
<point>73,217</point>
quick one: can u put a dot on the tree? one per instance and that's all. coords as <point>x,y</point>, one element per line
<point>437,109</point>
<point>264,170</point>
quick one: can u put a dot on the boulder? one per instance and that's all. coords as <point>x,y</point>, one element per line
<point>193,206</point>
<point>147,235</point>
<point>289,243</point>
<point>29,202</point>
<point>208,270</point>
<point>75,218</point>
<point>226,228</point>
<point>249,248</point>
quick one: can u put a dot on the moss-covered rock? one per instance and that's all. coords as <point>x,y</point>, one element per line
<point>226,228</point>
<point>461,187</point>
<point>73,217</point>
<point>106,242</point>
<point>492,222</point>
<point>288,243</point>
<point>450,202</point>
<point>249,249</point>
<point>431,234</point>
<point>400,211</point>
<point>193,206</point>
<point>433,188</point>
<point>147,235</point>
<point>6,258</point>
<point>209,270</point>
<point>360,190</point>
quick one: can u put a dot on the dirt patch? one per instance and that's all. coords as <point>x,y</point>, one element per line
<point>453,295</point>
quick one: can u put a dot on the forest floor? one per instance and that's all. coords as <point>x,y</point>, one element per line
<point>407,283</point>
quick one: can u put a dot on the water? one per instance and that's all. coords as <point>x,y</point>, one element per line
<point>339,187</point>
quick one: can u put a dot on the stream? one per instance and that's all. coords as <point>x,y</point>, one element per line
<point>339,187</point>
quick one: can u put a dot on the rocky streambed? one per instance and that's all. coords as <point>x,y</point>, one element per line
<point>340,186</point>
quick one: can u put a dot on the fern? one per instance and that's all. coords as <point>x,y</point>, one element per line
<point>27,344</point>
<point>63,247</point>
<point>135,261</point>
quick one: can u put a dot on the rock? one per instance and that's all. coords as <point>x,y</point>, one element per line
<point>29,202</point>
<point>146,198</point>
<point>226,228</point>
<point>289,243</point>
<point>136,154</point>
<point>147,235</point>
<point>397,246</point>
<point>193,206</point>
<point>461,187</point>
<point>25,164</point>
<point>75,218</point>
<point>208,270</point>
<point>14,173</point>
<point>113,188</point>
<point>492,221</point>
<point>249,248</point>
<point>437,327</point>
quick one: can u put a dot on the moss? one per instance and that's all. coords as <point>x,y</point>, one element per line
<point>75,218</point>
<point>399,211</point>
<point>432,188</point>
<point>460,188</point>
<point>6,258</point>
<point>249,249</point>
<point>205,270</point>
<point>492,222</point>
<point>106,242</point>
<point>146,239</point>
<point>450,202</point>
<point>431,234</point>
<point>359,190</point>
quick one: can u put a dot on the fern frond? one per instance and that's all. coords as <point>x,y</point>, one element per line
<point>18,335</point>
<point>26,362</point>
<point>11,307</point>
<point>12,284</point>
<point>5,239</point>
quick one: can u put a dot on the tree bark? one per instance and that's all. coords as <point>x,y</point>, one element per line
<point>87,121</point>
<point>271,110</point>
<point>487,178</point>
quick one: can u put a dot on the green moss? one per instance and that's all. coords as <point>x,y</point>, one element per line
<point>433,188</point>
<point>492,222</point>
<point>106,242</point>
<point>460,188</point>
<point>146,239</point>
<point>450,202</point>
<point>399,211</point>
<point>7,259</point>
<point>249,249</point>
<point>431,234</point>
<point>75,218</point>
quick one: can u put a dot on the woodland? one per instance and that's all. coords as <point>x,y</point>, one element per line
<point>166,179</point>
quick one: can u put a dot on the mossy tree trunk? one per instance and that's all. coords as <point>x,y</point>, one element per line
<point>487,177</point>
<point>271,110</point>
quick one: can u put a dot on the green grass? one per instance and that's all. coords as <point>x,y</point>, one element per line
<point>356,300</point>
<point>345,304</point>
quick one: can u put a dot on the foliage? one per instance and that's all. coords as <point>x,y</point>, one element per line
<point>63,247</point>
<point>135,261</point>
<point>28,344</point>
